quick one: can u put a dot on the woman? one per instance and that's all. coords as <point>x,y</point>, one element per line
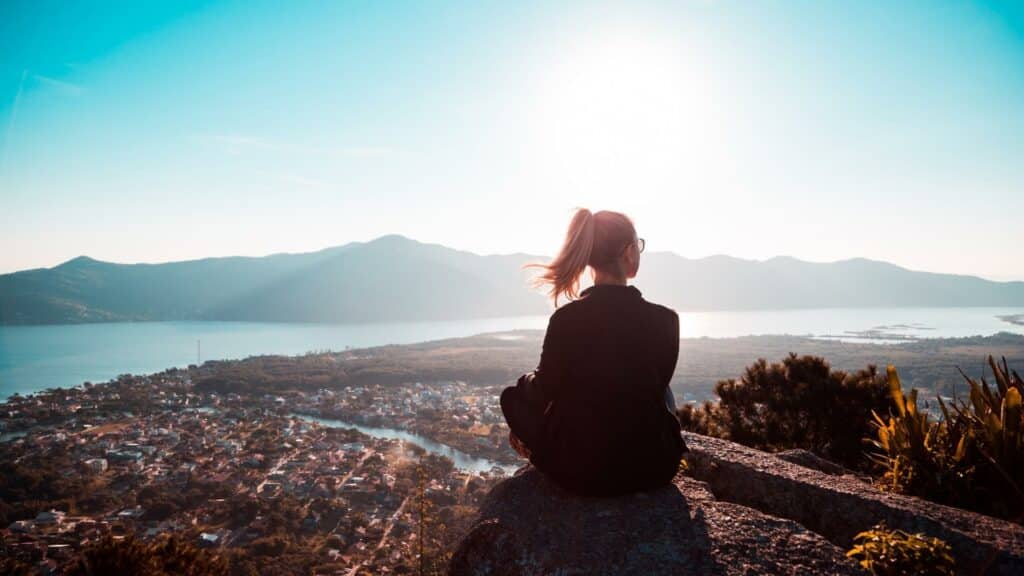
<point>597,415</point>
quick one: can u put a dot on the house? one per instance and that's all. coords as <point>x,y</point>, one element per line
<point>216,538</point>
<point>132,513</point>
<point>49,517</point>
<point>59,551</point>
<point>96,465</point>
<point>123,455</point>
<point>20,526</point>
<point>270,490</point>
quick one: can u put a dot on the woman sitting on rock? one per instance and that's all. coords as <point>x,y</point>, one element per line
<point>597,416</point>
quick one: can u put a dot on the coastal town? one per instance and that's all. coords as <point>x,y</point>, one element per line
<point>466,418</point>
<point>252,477</point>
<point>362,461</point>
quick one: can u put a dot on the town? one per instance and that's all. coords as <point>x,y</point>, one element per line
<point>246,476</point>
<point>452,413</point>
<point>260,463</point>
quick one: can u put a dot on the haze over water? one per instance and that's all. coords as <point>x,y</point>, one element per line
<point>33,358</point>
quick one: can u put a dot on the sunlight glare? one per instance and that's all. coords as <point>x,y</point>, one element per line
<point>629,111</point>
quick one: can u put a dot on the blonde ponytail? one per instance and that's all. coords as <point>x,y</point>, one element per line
<point>563,273</point>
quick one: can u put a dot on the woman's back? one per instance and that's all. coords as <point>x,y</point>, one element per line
<point>593,416</point>
<point>607,361</point>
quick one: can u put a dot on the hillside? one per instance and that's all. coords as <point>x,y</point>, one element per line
<point>394,278</point>
<point>389,279</point>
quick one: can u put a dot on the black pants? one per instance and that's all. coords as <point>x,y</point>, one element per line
<point>524,404</point>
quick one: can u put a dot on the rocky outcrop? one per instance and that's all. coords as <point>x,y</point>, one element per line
<point>742,512</point>
<point>839,506</point>
<point>811,460</point>
<point>527,525</point>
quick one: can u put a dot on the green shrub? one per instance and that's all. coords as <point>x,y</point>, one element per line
<point>800,402</point>
<point>887,552</point>
<point>972,458</point>
<point>915,456</point>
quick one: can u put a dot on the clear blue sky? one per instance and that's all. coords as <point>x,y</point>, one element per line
<point>147,131</point>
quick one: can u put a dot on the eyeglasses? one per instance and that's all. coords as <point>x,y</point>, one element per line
<point>639,245</point>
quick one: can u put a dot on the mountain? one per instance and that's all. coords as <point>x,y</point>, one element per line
<point>391,278</point>
<point>394,278</point>
<point>726,283</point>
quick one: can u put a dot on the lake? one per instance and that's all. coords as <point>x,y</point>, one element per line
<point>33,358</point>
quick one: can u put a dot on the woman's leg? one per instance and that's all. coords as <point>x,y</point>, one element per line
<point>522,406</point>
<point>519,418</point>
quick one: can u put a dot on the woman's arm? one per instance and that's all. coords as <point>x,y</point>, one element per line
<point>670,399</point>
<point>551,366</point>
<point>672,353</point>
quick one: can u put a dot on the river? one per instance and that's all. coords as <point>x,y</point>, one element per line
<point>461,459</point>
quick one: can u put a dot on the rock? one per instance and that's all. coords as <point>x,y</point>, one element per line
<point>838,507</point>
<point>527,525</point>
<point>743,512</point>
<point>811,460</point>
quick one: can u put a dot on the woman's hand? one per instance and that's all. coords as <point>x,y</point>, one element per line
<point>518,445</point>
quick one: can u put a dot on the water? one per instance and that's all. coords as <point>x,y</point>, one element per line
<point>33,358</point>
<point>9,436</point>
<point>461,459</point>
<point>852,324</point>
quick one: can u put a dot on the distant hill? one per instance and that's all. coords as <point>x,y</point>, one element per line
<point>394,278</point>
<point>726,283</point>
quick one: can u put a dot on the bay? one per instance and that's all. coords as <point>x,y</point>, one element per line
<point>34,358</point>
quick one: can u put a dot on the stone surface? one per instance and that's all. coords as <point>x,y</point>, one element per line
<point>838,507</point>
<point>527,525</point>
<point>811,460</point>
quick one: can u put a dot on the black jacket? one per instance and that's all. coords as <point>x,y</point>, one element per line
<point>597,422</point>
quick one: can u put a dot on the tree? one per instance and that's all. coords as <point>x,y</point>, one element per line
<point>432,534</point>
<point>129,556</point>
<point>800,402</point>
<point>269,546</point>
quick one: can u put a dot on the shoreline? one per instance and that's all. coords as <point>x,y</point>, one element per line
<point>530,338</point>
<point>1015,319</point>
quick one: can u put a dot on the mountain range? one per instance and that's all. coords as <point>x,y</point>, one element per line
<point>394,278</point>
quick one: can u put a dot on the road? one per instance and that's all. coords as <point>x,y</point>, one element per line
<point>383,537</point>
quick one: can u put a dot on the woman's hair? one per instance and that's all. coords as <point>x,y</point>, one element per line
<point>592,239</point>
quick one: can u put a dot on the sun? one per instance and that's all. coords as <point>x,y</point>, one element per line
<point>626,110</point>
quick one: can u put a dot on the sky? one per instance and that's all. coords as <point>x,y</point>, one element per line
<point>151,132</point>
